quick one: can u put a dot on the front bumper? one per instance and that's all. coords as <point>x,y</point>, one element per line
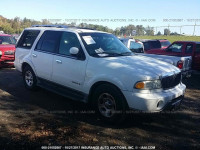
<point>155,101</point>
<point>7,61</point>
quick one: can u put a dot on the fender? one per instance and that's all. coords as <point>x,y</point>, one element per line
<point>89,82</point>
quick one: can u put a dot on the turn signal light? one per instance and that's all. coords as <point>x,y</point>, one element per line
<point>140,85</point>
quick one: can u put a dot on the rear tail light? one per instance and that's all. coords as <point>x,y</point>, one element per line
<point>180,64</point>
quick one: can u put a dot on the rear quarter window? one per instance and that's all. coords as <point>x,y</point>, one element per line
<point>155,44</point>
<point>27,39</point>
<point>146,45</point>
<point>197,48</point>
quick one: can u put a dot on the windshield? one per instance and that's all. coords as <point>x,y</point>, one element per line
<point>5,40</point>
<point>176,47</point>
<point>165,44</point>
<point>136,47</point>
<point>104,45</point>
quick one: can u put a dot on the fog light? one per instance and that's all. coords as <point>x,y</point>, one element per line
<point>160,104</point>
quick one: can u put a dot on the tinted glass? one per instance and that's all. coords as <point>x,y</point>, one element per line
<point>176,47</point>
<point>146,45</point>
<point>27,39</point>
<point>68,40</point>
<point>5,40</point>
<point>49,41</point>
<point>189,48</point>
<point>165,43</point>
<point>197,48</point>
<point>155,44</point>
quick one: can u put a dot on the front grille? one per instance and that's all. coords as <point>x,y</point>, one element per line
<point>171,81</point>
<point>9,53</point>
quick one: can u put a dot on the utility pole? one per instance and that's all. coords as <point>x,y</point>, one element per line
<point>194,28</point>
<point>168,28</point>
<point>180,29</point>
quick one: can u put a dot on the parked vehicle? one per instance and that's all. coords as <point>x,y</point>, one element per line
<point>153,46</point>
<point>183,63</point>
<point>184,48</point>
<point>133,45</point>
<point>95,67</point>
<point>7,50</point>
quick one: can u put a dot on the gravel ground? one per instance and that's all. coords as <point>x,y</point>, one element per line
<point>33,120</point>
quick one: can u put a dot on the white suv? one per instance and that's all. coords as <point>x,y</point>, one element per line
<point>93,66</point>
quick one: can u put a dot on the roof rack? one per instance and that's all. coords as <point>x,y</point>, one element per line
<point>80,27</point>
<point>61,26</point>
<point>55,26</point>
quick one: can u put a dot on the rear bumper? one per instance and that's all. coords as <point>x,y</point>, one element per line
<point>186,74</point>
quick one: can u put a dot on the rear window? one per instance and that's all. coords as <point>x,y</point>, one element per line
<point>197,48</point>
<point>155,44</point>
<point>146,45</point>
<point>189,48</point>
<point>49,41</point>
<point>27,39</point>
<point>176,47</point>
<point>165,43</point>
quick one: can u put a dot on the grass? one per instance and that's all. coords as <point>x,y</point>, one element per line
<point>171,38</point>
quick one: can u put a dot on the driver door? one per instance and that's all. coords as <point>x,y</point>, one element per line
<point>69,70</point>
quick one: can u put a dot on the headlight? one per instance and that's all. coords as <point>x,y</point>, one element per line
<point>0,52</point>
<point>148,85</point>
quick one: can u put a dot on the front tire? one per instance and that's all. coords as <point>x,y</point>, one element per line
<point>110,103</point>
<point>29,78</point>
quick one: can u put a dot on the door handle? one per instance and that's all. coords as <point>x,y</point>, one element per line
<point>59,61</point>
<point>34,55</point>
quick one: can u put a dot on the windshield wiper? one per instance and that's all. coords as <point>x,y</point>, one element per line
<point>110,54</point>
<point>126,53</point>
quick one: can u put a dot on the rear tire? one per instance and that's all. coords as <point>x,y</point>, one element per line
<point>29,78</point>
<point>109,103</point>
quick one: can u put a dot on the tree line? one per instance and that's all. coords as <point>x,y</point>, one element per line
<point>17,25</point>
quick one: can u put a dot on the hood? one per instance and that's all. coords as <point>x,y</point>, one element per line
<point>143,65</point>
<point>7,47</point>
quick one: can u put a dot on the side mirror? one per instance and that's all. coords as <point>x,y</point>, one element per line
<point>73,50</point>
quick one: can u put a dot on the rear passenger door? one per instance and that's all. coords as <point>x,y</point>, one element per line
<point>196,61</point>
<point>43,54</point>
<point>69,70</point>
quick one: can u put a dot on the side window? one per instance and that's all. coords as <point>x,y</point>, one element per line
<point>197,48</point>
<point>155,44</point>
<point>176,47</point>
<point>49,41</point>
<point>68,40</point>
<point>189,48</point>
<point>27,39</point>
<point>146,45</point>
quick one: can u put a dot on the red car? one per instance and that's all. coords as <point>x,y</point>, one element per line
<point>153,46</point>
<point>184,48</point>
<point>7,50</point>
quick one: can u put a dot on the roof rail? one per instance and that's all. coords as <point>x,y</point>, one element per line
<point>56,26</point>
<point>80,27</point>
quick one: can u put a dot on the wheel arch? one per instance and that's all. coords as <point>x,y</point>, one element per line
<point>27,63</point>
<point>97,84</point>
